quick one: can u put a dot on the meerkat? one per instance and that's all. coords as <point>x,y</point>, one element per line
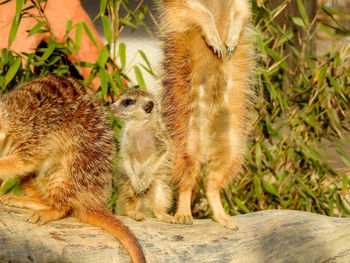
<point>144,158</point>
<point>207,67</point>
<point>55,136</point>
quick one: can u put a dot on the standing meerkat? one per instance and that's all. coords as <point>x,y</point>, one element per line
<point>55,136</point>
<point>144,158</point>
<point>205,100</point>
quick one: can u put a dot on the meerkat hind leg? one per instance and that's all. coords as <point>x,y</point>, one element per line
<point>163,216</point>
<point>219,214</point>
<point>217,179</point>
<point>22,202</point>
<point>183,212</point>
<point>133,209</point>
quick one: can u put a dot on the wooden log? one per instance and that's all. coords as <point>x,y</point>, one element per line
<point>267,236</point>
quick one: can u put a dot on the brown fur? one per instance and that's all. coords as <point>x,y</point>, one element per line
<point>207,66</point>
<point>55,135</point>
<point>145,158</point>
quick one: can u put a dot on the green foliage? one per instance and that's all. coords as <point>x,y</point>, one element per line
<point>303,102</point>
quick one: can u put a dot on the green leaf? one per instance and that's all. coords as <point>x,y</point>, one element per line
<point>103,57</point>
<point>119,81</point>
<point>11,73</point>
<point>127,22</point>
<point>16,21</point>
<point>149,67</point>
<point>240,204</point>
<point>103,5</point>
<point>269,188</point>
<point>90,34</point>
<point>122,54</point>
<point>78,36</point>
<point>69,26</point>
<point>330,10</point>
<point>113,85</point>
<point>302,11</point>
<point>13,31</point>
<point>107,29</point>
<point>258,155</point>
<point>19,6</point>
<point>9,185</point>
<point>37,28</point>
<point>104,82</point>
<point>297,21</point>
<point>139,78</point>
<point>48,51</point>
<point>257,187</point>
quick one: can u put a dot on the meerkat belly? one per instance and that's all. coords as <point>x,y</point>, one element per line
<point>143,146</point>
<point>210,115</point>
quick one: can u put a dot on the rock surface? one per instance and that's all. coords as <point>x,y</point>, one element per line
<point>267,236</point>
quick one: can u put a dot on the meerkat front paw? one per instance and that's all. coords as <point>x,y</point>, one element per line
<point>136,215</point>
<point>165,217</point>
<point>231,44</point>
<point>184,219</point>
<point>215,43</point>
<point>140,188</point>
<point>227,222</point>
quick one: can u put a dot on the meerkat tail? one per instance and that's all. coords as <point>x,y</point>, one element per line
<point>117,228</point>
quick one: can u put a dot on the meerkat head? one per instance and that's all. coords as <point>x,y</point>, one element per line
<point>134,104</point>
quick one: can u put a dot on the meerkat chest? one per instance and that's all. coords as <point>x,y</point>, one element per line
<point>140,143</point>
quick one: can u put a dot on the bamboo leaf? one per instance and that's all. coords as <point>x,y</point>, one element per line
<point>104,82</point>
<point>103,5</point>
<point>78,36</point>
<point>37,28</point>
<point>103,57</point>
<point>9,185</point>
<point>122,54</point>
<point>139,78</point>
<point>90,34</point>
<point>302,11</point>
<point>107,29</point>
<point>269,188</point>
<point>297,21</point>
<point>69,26</point>
<point>240,204</point>
<point>11,73</point>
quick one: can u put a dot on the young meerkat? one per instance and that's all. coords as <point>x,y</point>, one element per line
<point>144,158</point>
<point>205,100</point>
<point>55,136</point>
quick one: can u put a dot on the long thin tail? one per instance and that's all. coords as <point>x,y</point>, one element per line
<point>107,221</point>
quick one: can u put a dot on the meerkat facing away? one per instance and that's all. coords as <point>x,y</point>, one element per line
<point>55,136</point>
<point>144,158</point>
<point>205,99</point>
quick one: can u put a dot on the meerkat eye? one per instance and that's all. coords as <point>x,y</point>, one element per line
<point>127,102</point>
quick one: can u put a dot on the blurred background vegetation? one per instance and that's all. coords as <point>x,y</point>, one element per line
<point>297,155</point>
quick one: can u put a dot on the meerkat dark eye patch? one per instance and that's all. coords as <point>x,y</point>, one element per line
<point>148,106</point>
<point>127,102</point>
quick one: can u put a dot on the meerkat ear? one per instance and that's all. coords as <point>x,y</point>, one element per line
<point>148,107</point>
